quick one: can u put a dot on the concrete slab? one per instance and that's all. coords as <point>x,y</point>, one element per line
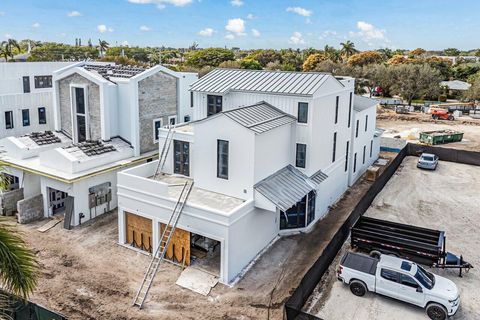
<point>197,280</point>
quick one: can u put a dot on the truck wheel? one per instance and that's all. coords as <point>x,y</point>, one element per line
<point>451,118</point>
<point>358,288</point>
<point>436,311</point>
<point>434,117</point>
<point>375,254</point>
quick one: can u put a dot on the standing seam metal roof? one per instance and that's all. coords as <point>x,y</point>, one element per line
<point>319,176</point>
<point>285,187</point>
<point>224,80</point>
<point>260,117</point>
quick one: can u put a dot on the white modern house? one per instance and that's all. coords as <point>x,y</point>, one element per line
<point>106,117</point>
<point>268,153</point>
<point>26,96</point>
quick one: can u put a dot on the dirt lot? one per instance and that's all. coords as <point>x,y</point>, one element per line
<point>87,275</point>
<point>446,200</point>
<point>408,126</point>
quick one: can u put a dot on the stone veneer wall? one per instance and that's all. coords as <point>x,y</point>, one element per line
<point>8,201</point>
<point>30,209</point>
<point>93,105</point>
<point>157,99</point>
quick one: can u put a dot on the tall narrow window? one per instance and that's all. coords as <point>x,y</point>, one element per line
<point>80,115</point>
<point>9,119</point>
<point>157,124</point>
<point>25,117</point>
<point>364,151</point>
<point>181,157</point>
<point>191,99</point>
<point>222,159</point>
<point>336,110</point>
<point>371,148</point>
<point>301,155</point>
<point>214,105</point>
<point>350,109</point>
<point>346,156</point>
<point>302,112</point>
<point>356,129</point>
<point>366,122</point>
<point>334,146</point>
<point>42,115</point>
<point>172,120</point>
<point>355,162</point>
<point>26,84</point>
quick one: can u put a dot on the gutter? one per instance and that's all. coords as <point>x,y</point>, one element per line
<point>69,181</point>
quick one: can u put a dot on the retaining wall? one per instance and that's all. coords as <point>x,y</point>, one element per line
<point>30,209</point>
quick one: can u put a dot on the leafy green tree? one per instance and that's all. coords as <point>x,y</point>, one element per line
<point>102,46</point>
<point>386,53</point>
<point>264,57</point>
<point>348,49</point>
<point>331,53</point>
<point>230,64</point>
<point>292,60</point>
<point>208,57</point>
<point>8,48</point>
<point>250,64</point>
<point>451,52</point>
<point>51,51</point>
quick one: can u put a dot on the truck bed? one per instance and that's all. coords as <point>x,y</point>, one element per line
<point>360,263</point>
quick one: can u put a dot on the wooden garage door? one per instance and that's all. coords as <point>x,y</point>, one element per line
<point>139,231</point>
<point>179,248</point>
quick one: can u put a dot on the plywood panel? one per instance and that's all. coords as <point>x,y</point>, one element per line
<point>179,248</point>
<point>139,231</point>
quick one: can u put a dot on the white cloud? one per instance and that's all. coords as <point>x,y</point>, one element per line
<point>297,38</point>
<point>103,28</point>
<point>328,34</point>
<point>125,44</point>
<point>236,26</point>
<point>250,16</point>
<point>237,3</point>
<point>36,25</point>
<point>161,4</point>
<point>8,36</point>
<point>144,28</point>
<point>370,34</point>
<point>256,33</point>
<point>207,32</point>
<point>300,11</point>
<point>229,36</point>
<point>74,14</point>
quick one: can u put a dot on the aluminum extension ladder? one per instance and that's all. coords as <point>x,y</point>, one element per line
<point>163,245</point>
<point>163,155</point>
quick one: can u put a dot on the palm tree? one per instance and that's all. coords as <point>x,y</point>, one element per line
<point>7,48</point>
<point>103,46</point>
<point>348,49</point>
<point>18,265</point>
<point>331,53</point>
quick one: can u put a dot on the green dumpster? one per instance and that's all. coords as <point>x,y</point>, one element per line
<point>440,137</point>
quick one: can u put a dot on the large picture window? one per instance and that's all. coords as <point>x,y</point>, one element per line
<point>301,154</point>
<point>222,159</point>
<point>42,82</point>
<point>302,112</point>
<point>300,215</point>
<point>214,105</point>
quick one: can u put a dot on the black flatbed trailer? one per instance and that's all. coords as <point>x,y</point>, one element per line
<point>421,245</point>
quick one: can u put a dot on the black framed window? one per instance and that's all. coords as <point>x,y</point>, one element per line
<point>26,84</point>
<point>157,124</point>
<point>181,157</point>
<point>300,215</point>
<point>301,155</point>
<point>336,109</point>
<point>26,117</point>
<point>389,275</point>
<point>364,152</point>
<point>81,117</point>
<point>42,82</point>
<point>172,120</point>
<point>355,162</point>
<point>350,110</point>
<point>334,146</point>
<point>186,119</point>
<point>346,156</point>
<point>408,281</point>
<point>191,99</point>
<point>42,115</point>
<point>302,112</point>
<point>356,129</point>
<point>8,119</point>
<point>222,159</point>
<point>366,122</point>
<point>214,104</point>
<point>311,206</point>
<point>371,148</point>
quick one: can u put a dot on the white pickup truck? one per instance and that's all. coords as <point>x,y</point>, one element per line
<point>400,279</point>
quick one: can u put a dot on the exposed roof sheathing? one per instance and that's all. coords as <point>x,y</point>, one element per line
<point>280,82</point>
<point>285,187</point>
<point>114,71</point>
<point>260,117</point>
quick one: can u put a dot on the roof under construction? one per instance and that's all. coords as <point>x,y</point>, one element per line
<point>260,117</point>
<point>281,82</point>
<point>114,71</point>
<point>285,187</point>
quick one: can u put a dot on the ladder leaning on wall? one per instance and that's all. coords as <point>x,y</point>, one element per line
<point>161,250</point>
<point>165,149</point>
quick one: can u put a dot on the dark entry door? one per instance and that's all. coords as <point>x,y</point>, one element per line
<point>181,157</point>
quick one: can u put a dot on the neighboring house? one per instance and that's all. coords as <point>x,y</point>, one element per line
<point>456,85</point>
<point>26,96</point>
<point>106,117</point>
<point>268,152</point>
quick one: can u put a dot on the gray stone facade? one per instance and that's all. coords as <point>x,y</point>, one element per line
<point>157,99</point>
<point>30,209</point>
<point>8,201</point>
<point>93,105</point>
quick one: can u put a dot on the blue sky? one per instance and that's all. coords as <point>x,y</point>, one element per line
<point>431,24</point>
